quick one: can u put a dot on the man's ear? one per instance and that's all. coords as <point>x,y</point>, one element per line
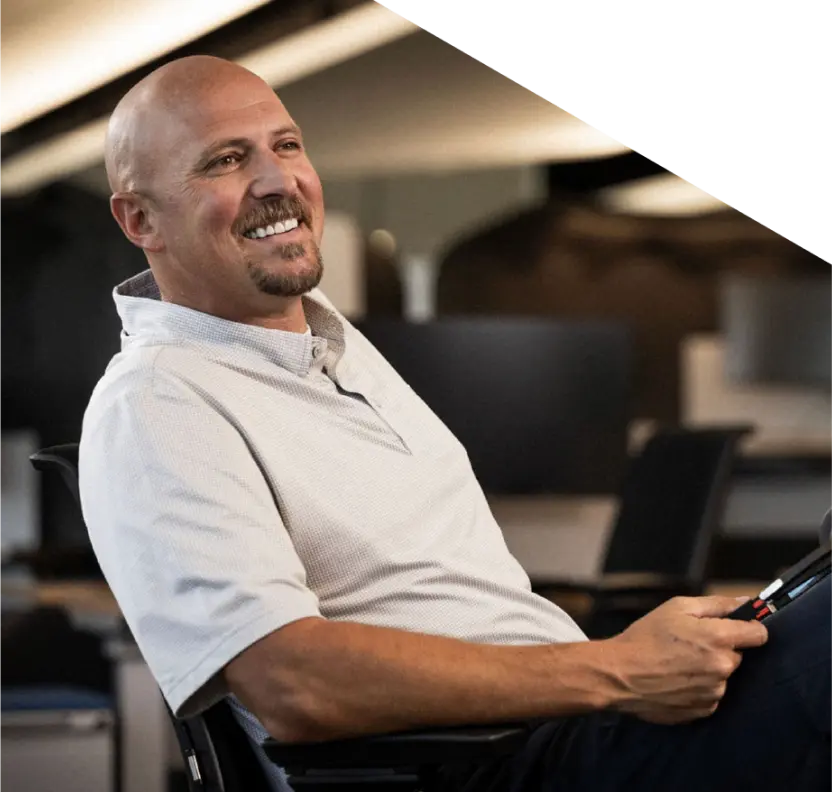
<point>136,220</point>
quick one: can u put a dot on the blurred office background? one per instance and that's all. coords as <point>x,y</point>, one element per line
<point>554,296</point>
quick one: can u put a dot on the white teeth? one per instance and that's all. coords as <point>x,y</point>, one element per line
<point>271,230</point>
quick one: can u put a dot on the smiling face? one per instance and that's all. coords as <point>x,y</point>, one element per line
<point>230,208</point>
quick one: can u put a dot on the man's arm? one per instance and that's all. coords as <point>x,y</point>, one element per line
<point>315,679</point>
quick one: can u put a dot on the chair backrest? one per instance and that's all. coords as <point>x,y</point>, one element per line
<point>218,756</point>
<point>672,502</point>
<point>217,753</point>
<point>61,459</point>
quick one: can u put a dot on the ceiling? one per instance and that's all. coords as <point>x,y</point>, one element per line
<point>401,103</point>
<point>419,104</point>
<point>30,70</point>
<point>54,51</point>
<point>19,14</point>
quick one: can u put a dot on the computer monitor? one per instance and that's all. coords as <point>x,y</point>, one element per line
<point>541,406</point>
<point>778,330</point>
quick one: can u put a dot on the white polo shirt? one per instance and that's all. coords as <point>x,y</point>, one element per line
<point>235,479</point>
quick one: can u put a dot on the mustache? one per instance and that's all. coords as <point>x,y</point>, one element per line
<point>271,211</point>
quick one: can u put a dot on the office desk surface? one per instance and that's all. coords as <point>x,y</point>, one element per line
<point>90,603</point>
<point>88,596</point>
<point>82,595</point>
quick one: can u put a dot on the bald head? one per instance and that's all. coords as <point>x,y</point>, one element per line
<point>143,121</point>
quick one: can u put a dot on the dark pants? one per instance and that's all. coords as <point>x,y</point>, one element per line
<point>770,732</point>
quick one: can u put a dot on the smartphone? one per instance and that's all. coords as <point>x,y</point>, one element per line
<point>767,604</point>
<point>791,585</point>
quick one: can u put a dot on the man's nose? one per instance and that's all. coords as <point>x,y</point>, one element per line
<point>272,176</point>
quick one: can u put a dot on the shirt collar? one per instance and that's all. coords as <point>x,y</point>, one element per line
<point>146,317</point>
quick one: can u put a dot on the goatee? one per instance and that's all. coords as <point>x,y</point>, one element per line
<point>289,284</point>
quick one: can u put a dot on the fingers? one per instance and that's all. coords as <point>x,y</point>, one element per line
<point>742,634</point>
<point>712,606</point>
<point>736,634</point>
<point>672,716</point>
<point>722,664</point>
<point>700,706</point>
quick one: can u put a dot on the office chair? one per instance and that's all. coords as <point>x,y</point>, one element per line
<point>61,459</point>
<point>670,507</point>
<point>58,560</point>
<point>219,757</point>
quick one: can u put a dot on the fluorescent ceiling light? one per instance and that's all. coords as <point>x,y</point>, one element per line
<point>342,37</point>
<point>664,195</point>
<point>77,150</point>
<point>55,51</point>
<point>460,146</point>
<point>326,44</point>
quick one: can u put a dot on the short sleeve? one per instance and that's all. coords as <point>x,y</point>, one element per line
<point>186,530</point>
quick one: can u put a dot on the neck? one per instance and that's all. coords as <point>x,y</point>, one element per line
<point>261,310</point>
<point>291,319</point>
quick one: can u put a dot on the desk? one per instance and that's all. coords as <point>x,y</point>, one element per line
<point>564,538</point>
<point>145,732</point>
<point>556,537</point>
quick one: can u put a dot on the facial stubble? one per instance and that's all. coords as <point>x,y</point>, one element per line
<point>280,283</point>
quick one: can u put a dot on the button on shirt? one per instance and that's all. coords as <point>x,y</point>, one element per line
<point>235,479</point>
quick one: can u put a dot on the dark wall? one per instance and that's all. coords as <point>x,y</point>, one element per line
<point>658,275</point>
<point>382,285</point>
<point>62,255</point>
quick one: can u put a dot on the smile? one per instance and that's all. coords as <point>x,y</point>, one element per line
<point>272,230</point>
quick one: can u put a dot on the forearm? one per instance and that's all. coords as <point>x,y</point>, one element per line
<point>317,679</point>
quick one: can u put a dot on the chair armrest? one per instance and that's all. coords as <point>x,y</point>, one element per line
<point>643,581</point>
<point>645,586</point>
<point>545,586</point>
<point>406,749</point>
<point>615,583</point>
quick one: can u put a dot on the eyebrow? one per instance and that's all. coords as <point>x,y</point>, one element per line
<point>241,142</point>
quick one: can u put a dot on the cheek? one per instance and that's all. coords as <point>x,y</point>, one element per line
<point>217,213</point>
<point>314,194</point>
<point>199,219</point>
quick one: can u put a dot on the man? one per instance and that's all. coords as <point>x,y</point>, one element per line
<point>284,522</point>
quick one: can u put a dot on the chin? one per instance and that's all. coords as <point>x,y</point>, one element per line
<point>285,288</point>
<point>287,278</point>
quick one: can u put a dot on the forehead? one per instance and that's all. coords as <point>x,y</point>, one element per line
<point>201,121</point>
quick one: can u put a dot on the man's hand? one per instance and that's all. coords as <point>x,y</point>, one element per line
<point>675,661</point>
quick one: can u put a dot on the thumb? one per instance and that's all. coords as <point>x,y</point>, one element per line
<point>713,606</point>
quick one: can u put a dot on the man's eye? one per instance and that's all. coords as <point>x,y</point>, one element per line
<point>226,160</point>
<point>289,145</point>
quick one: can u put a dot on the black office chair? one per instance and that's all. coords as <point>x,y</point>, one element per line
<point>670,508</point>
<point>217,754</point>
<point>61,459</point>
<point>219,757</point>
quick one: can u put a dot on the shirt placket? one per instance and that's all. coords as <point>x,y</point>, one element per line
<point>358,385</point>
